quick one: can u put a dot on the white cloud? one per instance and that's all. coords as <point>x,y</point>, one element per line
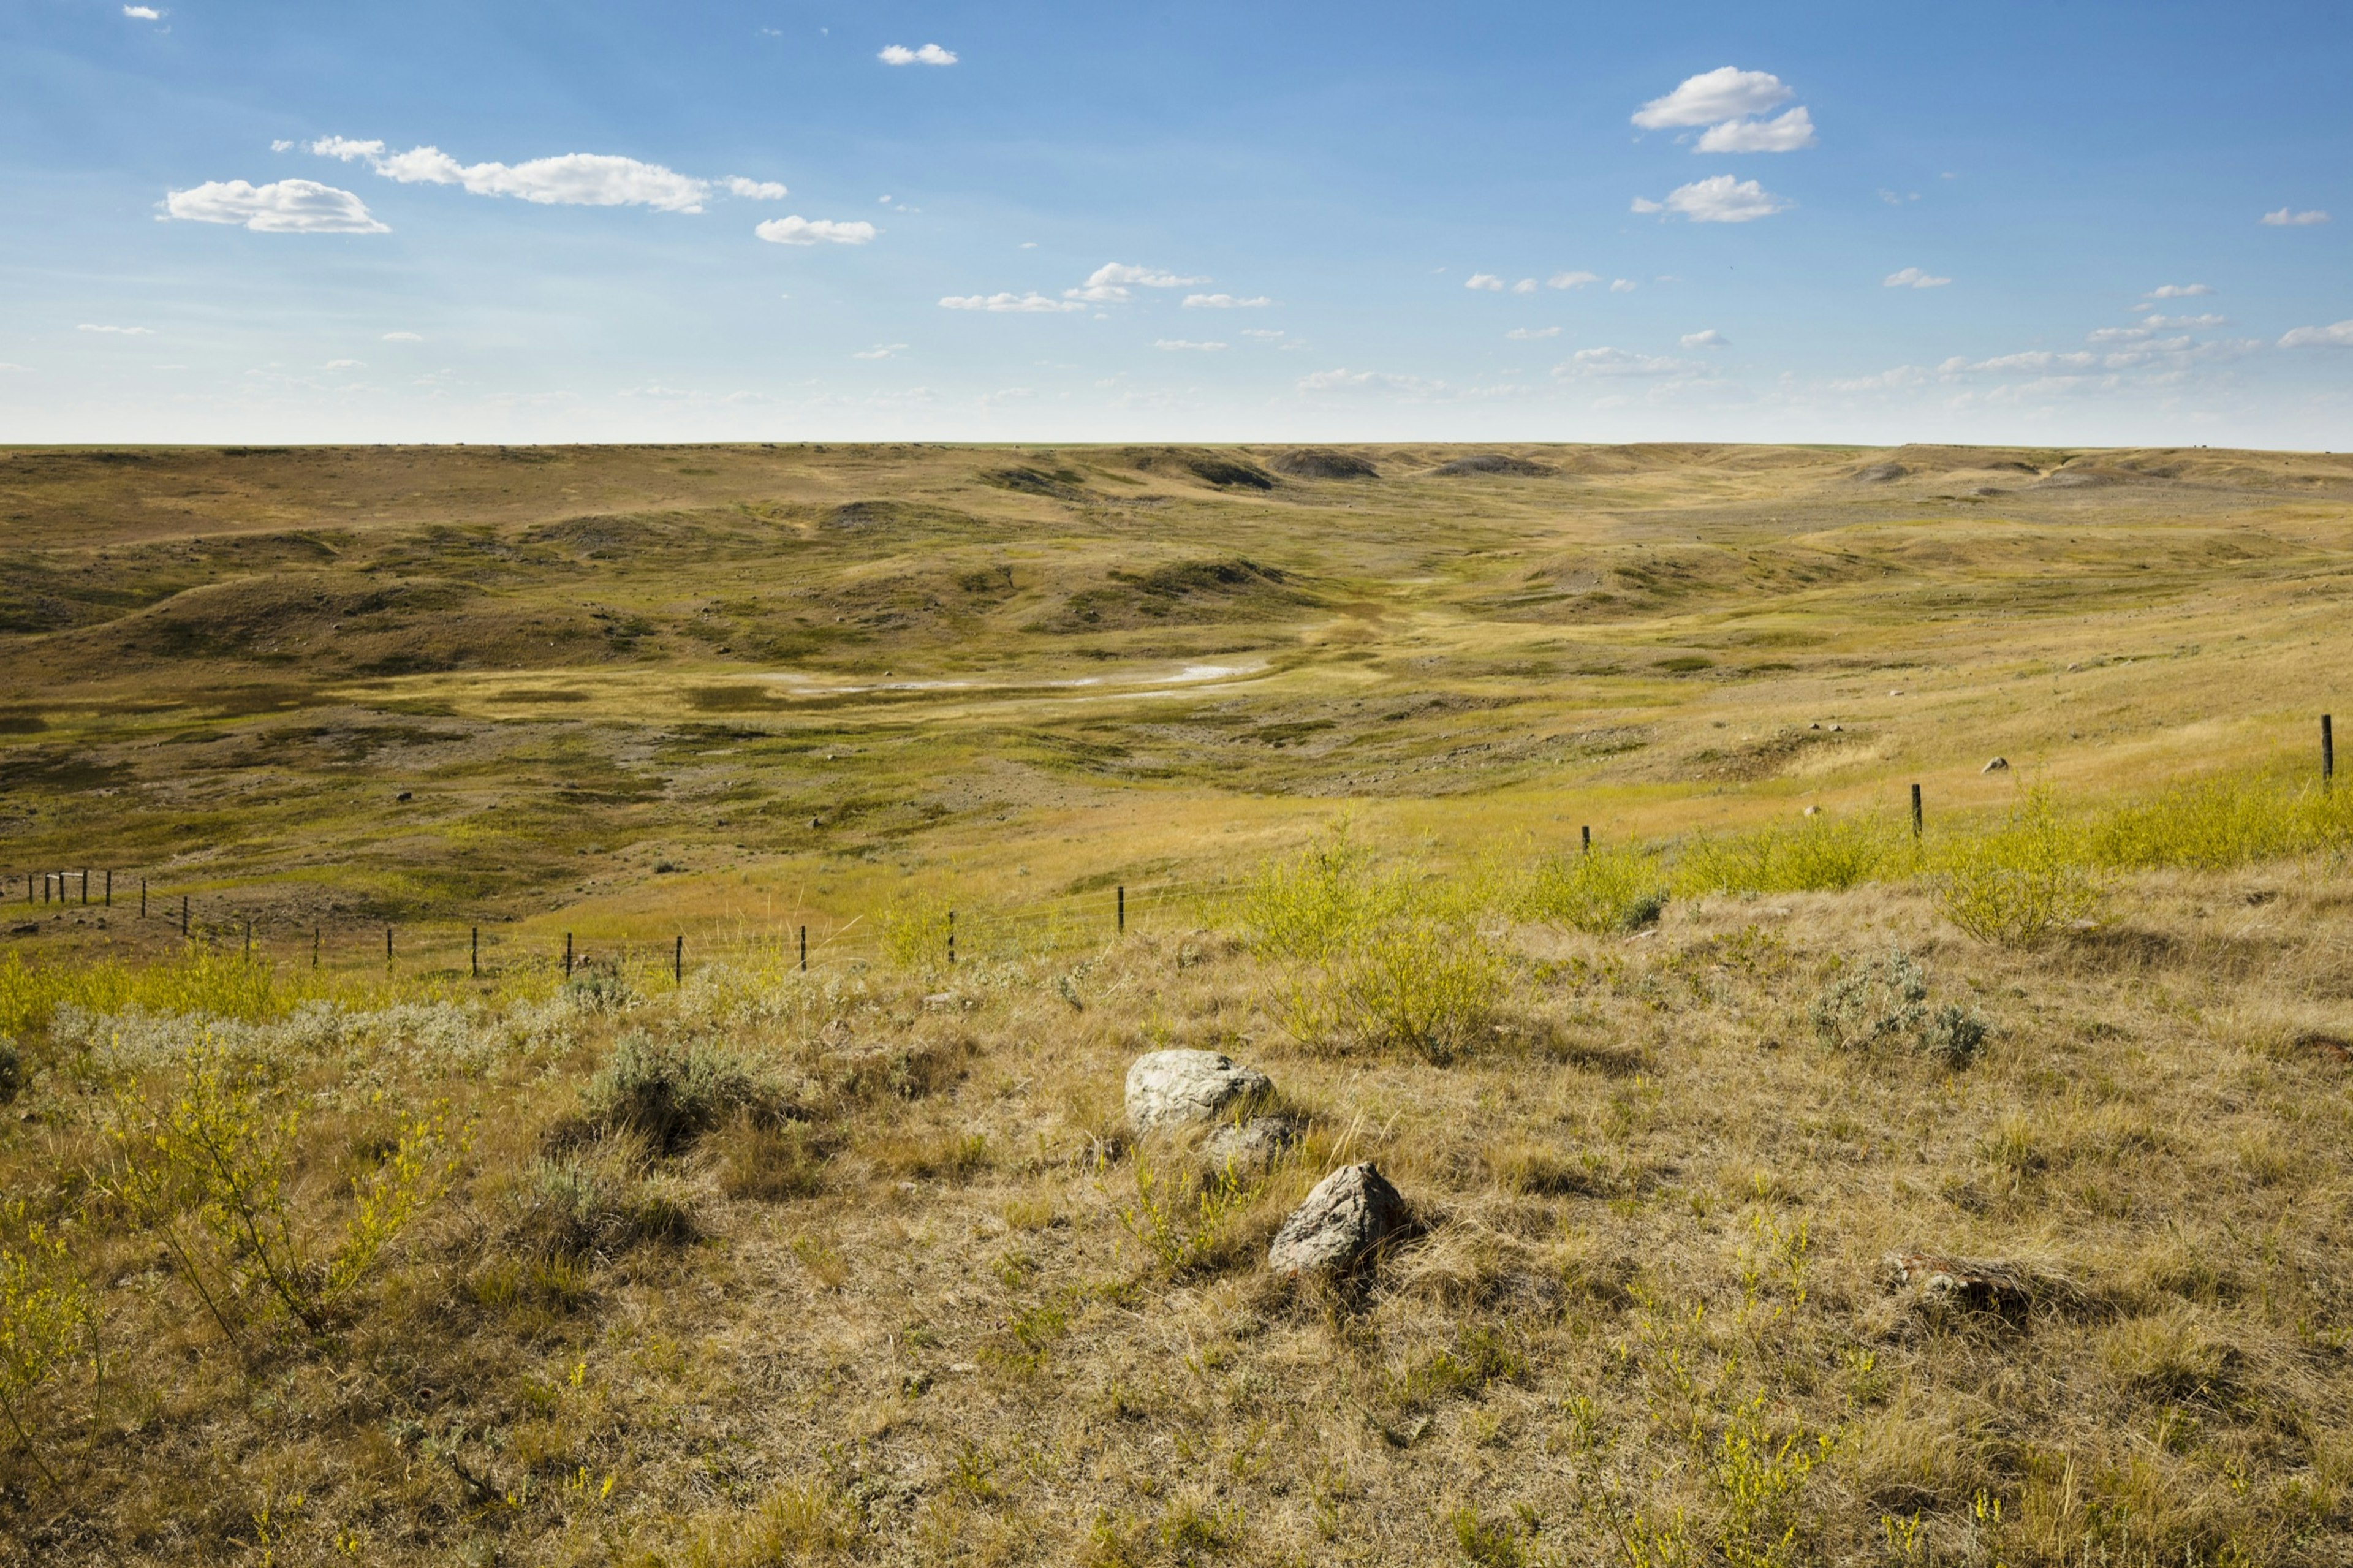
<point>6,365</point>
<point>1786,133</point>
<point>142,13</point>
<point>1345,380</point>
<point>1623,285</point>
<point>1525,286</point>
<point>1029,303</point>
<point>570,179</point>
<point>404,336</point>
<point>1532,334</point>
<point>344,364</point>
<point>1109,284</point>
<point>280,146</point>
<point>880,351</point>
<point>1911,277</point>
<point>1903,376</point>
<point>2177,291</point>
<point>929,55</point>
<point>1263,333</point>
<point>2196,323</point>
<point>1724,93</point>
<point>1225,302</point>
<point>1709,339</point>
<point>758,190</point>
<point>1180,344</point>
<point>2339,336</point>
<point>1572,280</point>
<point>1719,198</point>
<point>2283,218</point>
<point>1616,362</point>
<point>119,332</point>
<point>1484,280</point>
<point>799,230</point>
<point>282,206</point>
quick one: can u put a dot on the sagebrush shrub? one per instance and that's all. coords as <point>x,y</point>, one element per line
<point>670,1096</point>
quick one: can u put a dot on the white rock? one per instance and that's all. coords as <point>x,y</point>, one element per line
<point>1348,1215</point>
<point>1249,1146</point>
<point>1999,765</point>
<point>1169,1089</point>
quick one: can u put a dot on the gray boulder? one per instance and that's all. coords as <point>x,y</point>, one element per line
<point>1249,1145</point>
<point>1170,1089</point>
<point>1348,1215</point>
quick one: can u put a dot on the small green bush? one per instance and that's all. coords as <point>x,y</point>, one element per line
<point>1312,904</point>
<point>1815,854</point>
<point>1610,890</point>
<point>2023,883</point>
<point>599,1203</point>
<point>1431,988</point>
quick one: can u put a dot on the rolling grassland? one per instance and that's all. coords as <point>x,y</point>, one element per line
<point>1784,1186</point>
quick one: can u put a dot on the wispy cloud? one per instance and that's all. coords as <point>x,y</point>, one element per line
<point>2336,336</point>
<point>282,206</point>
<point>142,13</point>
<point>1709,339</point>
<point>1532,334</point>
<point>1180,345</point>
<point>117,332</point>
<point>1612,361</point>
<point>798,230</point>
<point>1786,133</point>
<point>929,55</point>
<point>1719,198</point>
<point>1225,302</point>
<point>880,351</point>
<point>1344,380</point>
<point>2283,218</point>
<point>404,336</point>
<point>1572,280</point>
<point>1020,304</point>
<point>1485,281</point>
<point>1109,284</point>
<point>570,179</point>
<point>1623,285</point>
<point>1913,277</point>
<point>2177,291</point>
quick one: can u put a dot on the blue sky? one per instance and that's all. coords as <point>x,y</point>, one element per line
<point>2054,222</point>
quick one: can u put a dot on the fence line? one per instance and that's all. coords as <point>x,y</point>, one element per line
<point>917,929</point>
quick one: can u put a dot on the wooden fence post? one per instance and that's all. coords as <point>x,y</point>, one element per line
<point>951,939</point>
<point>1916,811</point>
<point>678,962</point>
<point>184,914</point>
<point>804,950</point>
<point>1587,831</point>
<point>474,958</point>
<point>2327,753</point>
<point>1123,906</point>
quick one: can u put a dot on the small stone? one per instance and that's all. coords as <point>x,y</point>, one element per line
<point>1895,694</point>
<point>1838,729</point>
<point>1250,1146</point>
<point>1813,811</point>
<point>1973,1283</point>
<point>1999,765</point>
<point>1169,1089</point>
<point>1351,1213</point>
<point>942,1002</point>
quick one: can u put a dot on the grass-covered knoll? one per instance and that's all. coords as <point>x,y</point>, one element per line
<point>866,1266</point>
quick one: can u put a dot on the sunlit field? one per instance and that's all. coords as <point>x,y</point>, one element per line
<point>640,1079</point>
